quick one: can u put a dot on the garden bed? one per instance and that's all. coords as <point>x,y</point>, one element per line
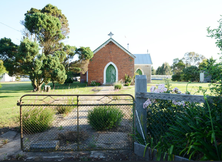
<point>152,155</point>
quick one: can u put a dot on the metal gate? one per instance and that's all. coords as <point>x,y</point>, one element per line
<point>76,122</point>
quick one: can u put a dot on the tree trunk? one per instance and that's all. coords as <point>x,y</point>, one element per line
<point>53,85</point>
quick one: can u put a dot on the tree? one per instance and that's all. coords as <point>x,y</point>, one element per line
<point>177,66</point>
<point>192,59</point>
<point>190,74</point>
<point>164,69</point>
<point>46,29</point>
<point>2,68</point>
<point>55,12</point>
<point>210,67</point>
<point>177,69</point>
<point>81,65</point>
<point>49,27</point>
<point>8,50</point>
<point>153,71</point>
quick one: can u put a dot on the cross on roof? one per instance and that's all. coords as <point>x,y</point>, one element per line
<point>110,34</point>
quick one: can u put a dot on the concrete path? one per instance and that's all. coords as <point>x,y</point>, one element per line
<point>13,147</point>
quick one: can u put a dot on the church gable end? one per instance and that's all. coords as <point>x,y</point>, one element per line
<point>112,52</point>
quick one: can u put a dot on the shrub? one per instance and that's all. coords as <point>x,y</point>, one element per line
<point>104,117</point>
<point>37,119</point>
<point>95,83</point>
<point>176,77</point>
<point>128,79</point>
<point>118,86</point>
<point>127,84</point>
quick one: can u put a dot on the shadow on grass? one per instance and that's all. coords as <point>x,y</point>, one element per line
<point>7,96</point>
<point>27,87</point>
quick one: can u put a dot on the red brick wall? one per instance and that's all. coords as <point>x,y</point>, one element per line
<point>110,53</point>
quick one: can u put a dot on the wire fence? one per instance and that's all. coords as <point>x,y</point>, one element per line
<point>76,122</point>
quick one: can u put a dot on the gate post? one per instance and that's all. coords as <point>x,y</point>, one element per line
<point>140,86</point>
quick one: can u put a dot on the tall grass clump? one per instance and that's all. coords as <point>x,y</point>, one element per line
<point>66,109</point>
<point>37,119</point>
<point>104,117</point>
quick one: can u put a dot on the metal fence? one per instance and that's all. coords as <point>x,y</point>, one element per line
<point>76,122</point>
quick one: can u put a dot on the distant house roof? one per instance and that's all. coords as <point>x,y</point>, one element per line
<point>142,59</point>
<point>116,43</point>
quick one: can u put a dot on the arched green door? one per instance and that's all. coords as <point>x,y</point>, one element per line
<point>110,74</point>
<point>139,72</point>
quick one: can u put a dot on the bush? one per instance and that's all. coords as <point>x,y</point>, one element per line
<point>95,83</point>
<point>104,117</point>
<point>176,77</point>
<point>118,86</point>
<point>127,84</point>
<point>191,73</point>
<point>128,79</point>
<point>37,119</point>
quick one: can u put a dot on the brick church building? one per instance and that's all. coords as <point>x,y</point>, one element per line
<point>111,62</point>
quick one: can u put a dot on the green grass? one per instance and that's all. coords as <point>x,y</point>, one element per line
<point>11,92</point>
<point>192,87</point>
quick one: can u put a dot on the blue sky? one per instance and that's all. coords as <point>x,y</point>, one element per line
<point>167,28</point>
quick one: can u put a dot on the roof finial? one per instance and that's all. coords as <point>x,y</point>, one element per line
<point>110,34</point>
<point>147,50</point>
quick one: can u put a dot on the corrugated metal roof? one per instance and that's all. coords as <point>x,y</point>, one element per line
<point>142,59</point>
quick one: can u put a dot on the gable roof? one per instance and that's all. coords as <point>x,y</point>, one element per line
<point>143,59</point>
<point>116,43</point>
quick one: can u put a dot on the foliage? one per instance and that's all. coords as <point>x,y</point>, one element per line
<point>177,76</point>
<point>81,65</point>
<point>193,130</point>
<point>191,74</point>
<point>165,69</point>
<point>49,27</point>
<point>128,79</point>
<point>104,117</point>
<point>216,34</point>
<point>51,10</point>
<point>46,29</point>
<point>192,59</point>
<point>127,84</point>
<point>178,66</point>
<point>37,119</point>
<point>210,67</point>
<point>8,51</point>
<point>17,78</point>
<point>2,68</point>
<point>161,112</point>
<point>69,77</point>
<point>153,71</point>
<point>95,83</point>
<point>118,86</point>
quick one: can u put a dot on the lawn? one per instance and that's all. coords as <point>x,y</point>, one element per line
<point>11,92</point>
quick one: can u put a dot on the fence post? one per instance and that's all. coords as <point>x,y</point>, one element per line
<point>140,86</point>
